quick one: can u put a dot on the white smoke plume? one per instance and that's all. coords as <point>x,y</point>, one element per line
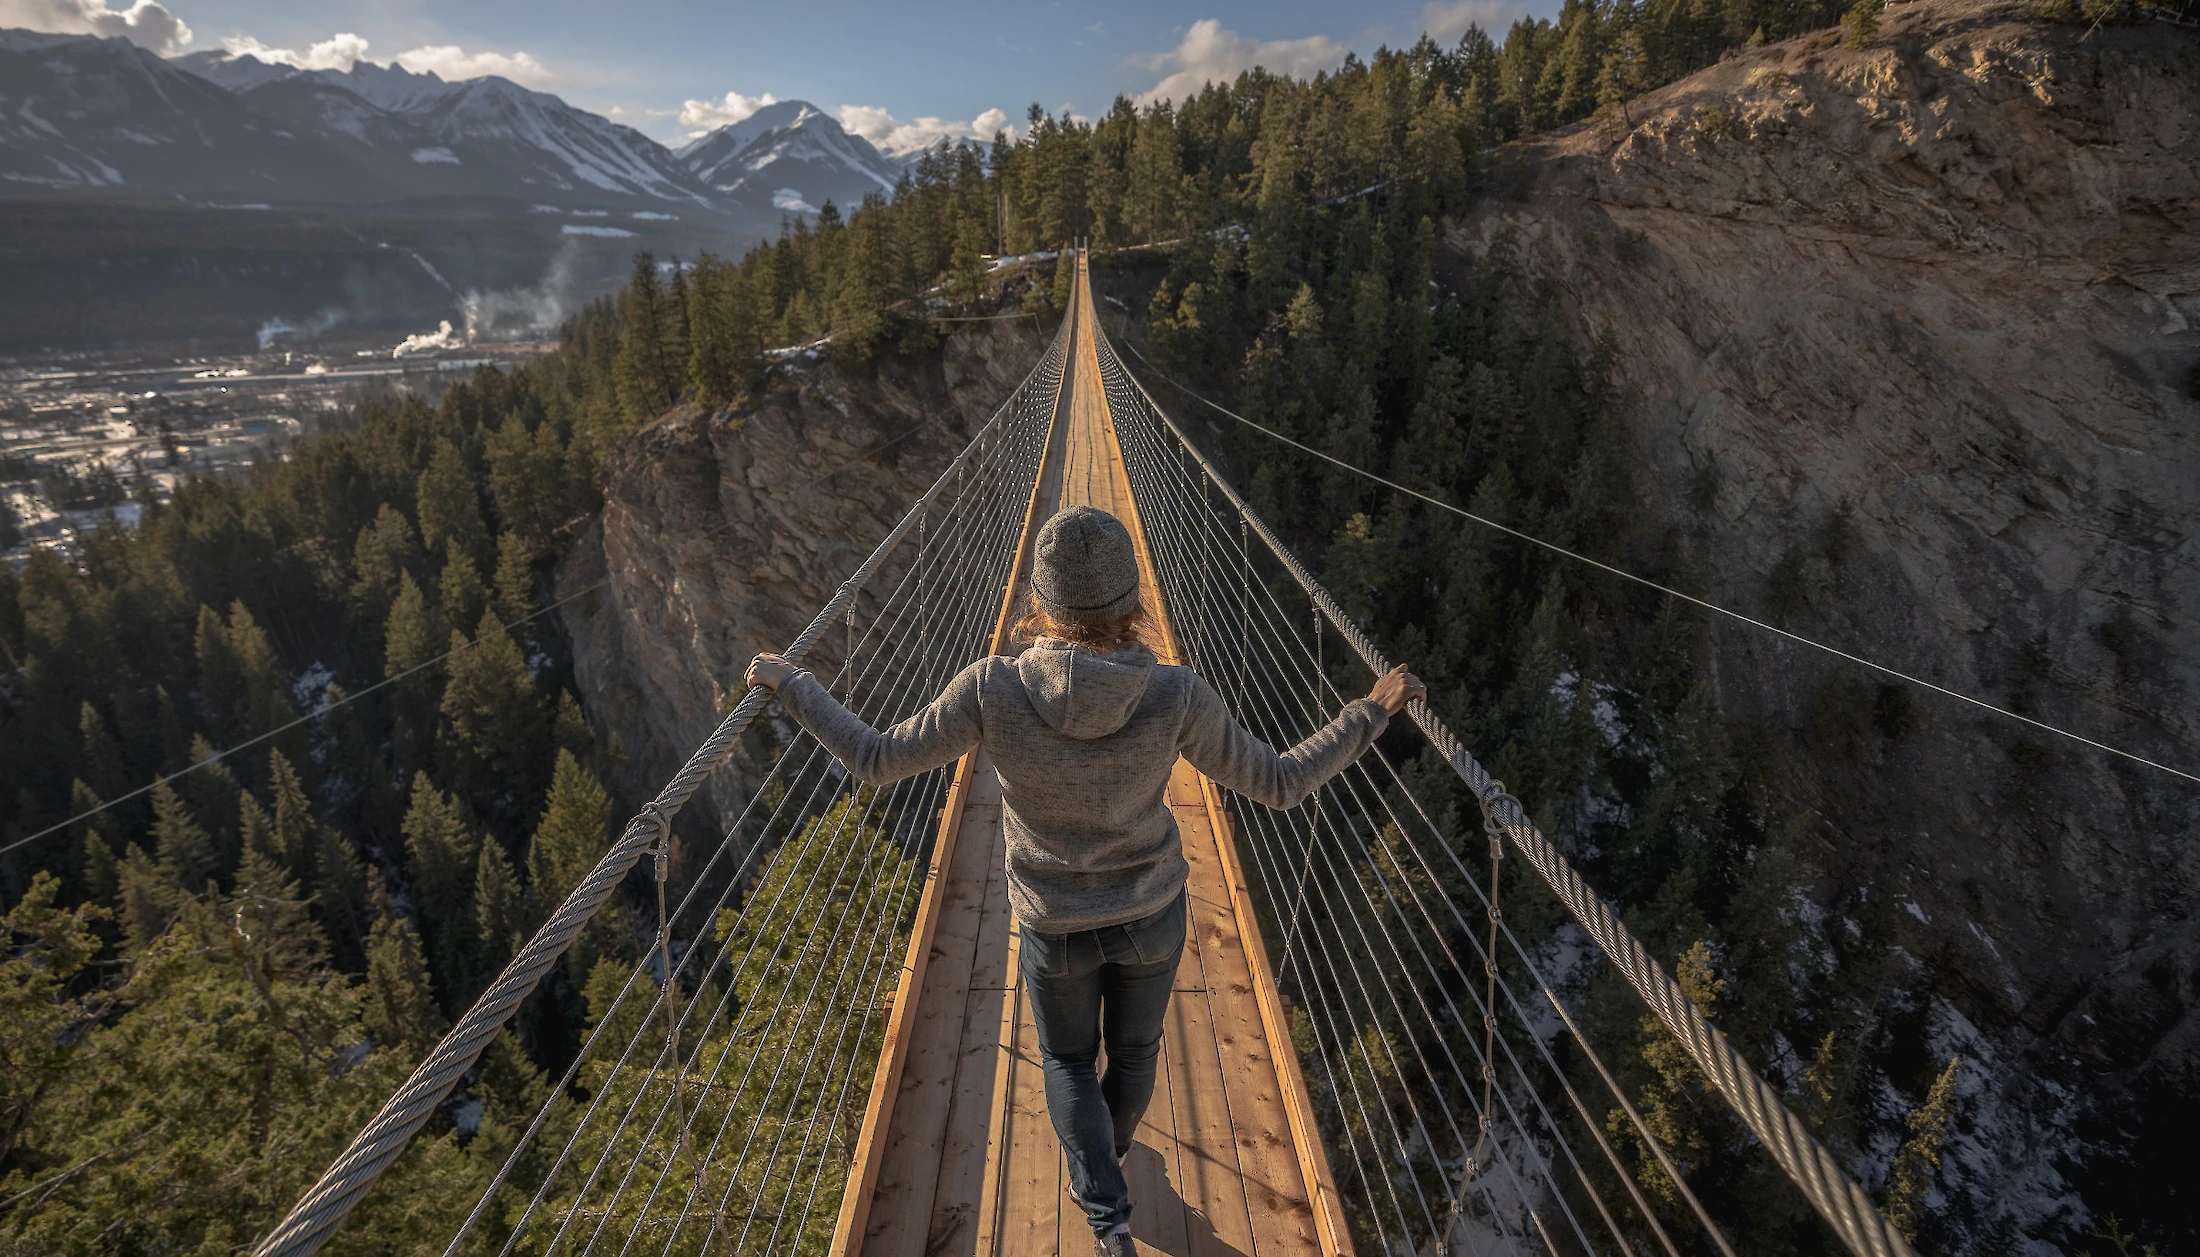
<point>314,325</point>
<point>428,342</point>
<point>510,312</point>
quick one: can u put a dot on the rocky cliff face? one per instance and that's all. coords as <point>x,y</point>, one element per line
<point>722,534</point>
<point>1908,331</point>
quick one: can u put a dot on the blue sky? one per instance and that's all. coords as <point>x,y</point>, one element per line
<point>898,73</point>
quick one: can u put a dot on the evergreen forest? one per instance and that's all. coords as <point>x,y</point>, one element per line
<point>211,984</point>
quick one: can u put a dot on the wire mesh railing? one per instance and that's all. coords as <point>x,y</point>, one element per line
<point>713,1103</point>
<point>1428,1030</point>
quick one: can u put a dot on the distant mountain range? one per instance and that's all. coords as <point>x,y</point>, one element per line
<point>82,116</point>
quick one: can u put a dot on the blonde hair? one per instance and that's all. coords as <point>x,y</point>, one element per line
<point>1134,629</point>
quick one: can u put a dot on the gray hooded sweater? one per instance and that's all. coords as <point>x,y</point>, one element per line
<point>1084,743</point>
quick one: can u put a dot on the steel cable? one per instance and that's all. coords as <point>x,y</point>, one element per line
<point>1807,1162</point>
<point>324,1205</point>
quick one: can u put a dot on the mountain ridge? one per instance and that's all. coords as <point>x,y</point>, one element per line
<point>108,118</point>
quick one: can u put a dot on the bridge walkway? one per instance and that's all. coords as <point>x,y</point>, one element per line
<point>958,1157</point>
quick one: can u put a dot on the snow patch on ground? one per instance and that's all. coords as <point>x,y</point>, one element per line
<point>615,233</point>
<point>2012,1132</point>
<point>652,216</point>
<point>437,155</point>
<point>311,688</point>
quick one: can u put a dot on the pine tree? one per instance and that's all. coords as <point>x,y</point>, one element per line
<point>450,509</point>
<point>410,644</point>
<point>531,481</point>
<point>710,364</point>
<point>42,1017</point>
<point>221,673</point>
<point>571,837</point>
<point>1861,22</point>
<point>1624,75</point>
<point>515,578</point>
<point>292,830</point>
<point>385,550</point>
<point>461,597</point>
<point>241,683</point>
<point>340,897</point>
<point>1911,1175</point>
<point>442,851</point>
<point>1065,282</point>
<point>271,927</point>
<point>255,837</point>
<point>570,731</point>
<point>400,1003</point>
<point>966,287</point>
<point>95,843</point>
<point>212,794</point>
<point>859,307</point>
<point>645,377</point>
<point>187,856</point>
<point>677,332</point>
<point>102,761</point>
<point>496,719</point>
<point>409,633</point>
<point>497,908</point>
<point>148,899</point>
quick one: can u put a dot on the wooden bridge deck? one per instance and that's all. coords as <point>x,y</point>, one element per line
<point>957,1156</point>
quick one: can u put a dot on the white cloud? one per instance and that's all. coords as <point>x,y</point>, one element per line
<point>1446,20</point>
<point>895,137</point>
<point>453,62</point>
<point>1210,54</point>
<point>146,23</point>
<point>338,52</point>
<point>709,115</point>
<point>342,51</point>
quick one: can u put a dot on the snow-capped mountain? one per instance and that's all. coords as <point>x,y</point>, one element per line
<point>554,148</point>
<point>390,87</point>
<point>791,156</point>
<point>83,113</point>
<point>79,114</point>
<point>238,74</point>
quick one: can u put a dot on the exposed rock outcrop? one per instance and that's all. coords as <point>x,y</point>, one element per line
<point>722,534</point>
<point>1911,325</point>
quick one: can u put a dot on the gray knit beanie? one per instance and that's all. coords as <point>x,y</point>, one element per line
<point>1085,570</point>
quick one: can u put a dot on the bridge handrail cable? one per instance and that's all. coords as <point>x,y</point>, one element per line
<point>322,1208</point>
<point>1862,1228</point>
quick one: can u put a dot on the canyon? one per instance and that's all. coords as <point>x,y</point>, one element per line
<point>1908,335</point>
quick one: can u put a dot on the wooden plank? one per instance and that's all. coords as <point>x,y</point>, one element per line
<point>980,1074</point>
<point>901,1200</point>
<point>863,1171</point>
<point>1313,1154</point>
<point>1032,1179</point>
<point>1159,1220</point>
<point>1207,1171</point>
<point>1273,1179</point>
<point>1238,942</point>
<point>994,1170</point>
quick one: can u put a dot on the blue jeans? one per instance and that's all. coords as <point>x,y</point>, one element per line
<point>1109,985</point>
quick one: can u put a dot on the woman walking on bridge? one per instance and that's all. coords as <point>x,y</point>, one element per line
<point>1084,729</point>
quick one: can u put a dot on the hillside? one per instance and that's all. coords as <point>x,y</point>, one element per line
<point>1910,331</point>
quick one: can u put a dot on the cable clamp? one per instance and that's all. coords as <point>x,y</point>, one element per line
<point>654,815</point>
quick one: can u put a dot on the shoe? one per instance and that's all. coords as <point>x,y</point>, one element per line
<point>1114,1244</point>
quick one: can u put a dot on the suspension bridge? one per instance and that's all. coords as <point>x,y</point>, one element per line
<point>826,1048</point>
